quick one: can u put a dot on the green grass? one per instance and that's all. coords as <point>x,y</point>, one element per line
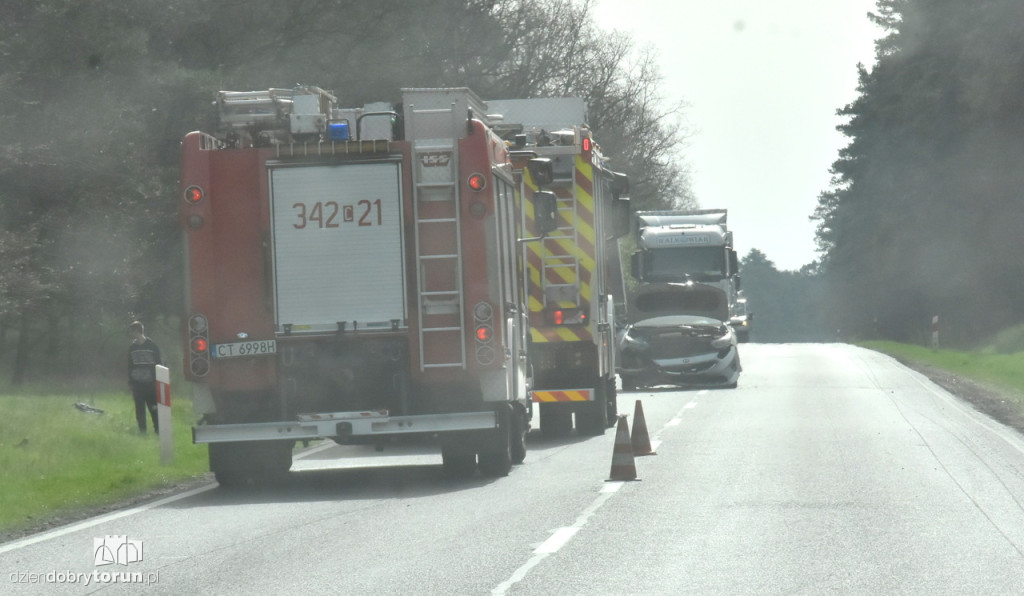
<point>988,366</point>
<point>57,460</point>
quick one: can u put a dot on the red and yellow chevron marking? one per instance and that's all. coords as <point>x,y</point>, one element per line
<point>578,249</point>
<point>562,395</point>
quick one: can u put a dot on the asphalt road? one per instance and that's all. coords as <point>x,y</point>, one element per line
<point>830,470</point>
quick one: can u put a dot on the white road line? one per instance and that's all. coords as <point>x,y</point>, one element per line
<point>558,538</point>
<point>95,521</point>
<point>678,419</point>
<point>556,541</point>
<point>64,531</point>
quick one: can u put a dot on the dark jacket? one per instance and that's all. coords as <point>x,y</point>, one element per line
<point>142,361</point>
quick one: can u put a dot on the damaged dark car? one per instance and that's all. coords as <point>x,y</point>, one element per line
<point>678,335</point>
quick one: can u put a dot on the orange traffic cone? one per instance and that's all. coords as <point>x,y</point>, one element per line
<point>623,466</point>
<point>641,440</point>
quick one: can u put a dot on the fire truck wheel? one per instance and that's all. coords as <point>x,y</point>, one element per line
<point>613,402</point>
<point>230,479</point>
<point>496,461</point>
<point>458,463</point>
<point>256,463</point>
<point>494,464</point>
<point>520,428</point>
<point>592,417</point>
<point>555,420</point>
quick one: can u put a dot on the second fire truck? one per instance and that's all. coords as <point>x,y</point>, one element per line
<point>573,274</point>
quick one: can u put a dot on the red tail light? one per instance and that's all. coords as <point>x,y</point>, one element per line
<point>477,182</point>
<point>199,345</point>
<point>193,195</point>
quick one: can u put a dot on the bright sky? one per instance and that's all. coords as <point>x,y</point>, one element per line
<point>763,80</point>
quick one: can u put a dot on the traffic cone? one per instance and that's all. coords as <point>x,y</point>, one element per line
<point>641,440</point>
<point>623,466</point>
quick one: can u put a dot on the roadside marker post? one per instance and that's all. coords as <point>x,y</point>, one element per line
<point>163,414</point>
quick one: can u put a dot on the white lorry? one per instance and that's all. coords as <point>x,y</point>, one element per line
<point>691,246</point>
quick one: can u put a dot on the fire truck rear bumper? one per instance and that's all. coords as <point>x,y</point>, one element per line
<point>333,425</point>
<point>562,395</point>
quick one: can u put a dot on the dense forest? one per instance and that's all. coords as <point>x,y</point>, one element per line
<point>922,218</point>
<point>97,96</point>
<point>925,213</point>
<point>788,306</point>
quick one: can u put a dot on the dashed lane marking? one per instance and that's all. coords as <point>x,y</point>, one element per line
<point>559,538</point>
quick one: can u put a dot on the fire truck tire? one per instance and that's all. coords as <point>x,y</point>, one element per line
<point>256,463</point>
<point>458,463</point>
<point>613,402</point>
<point>592,417</point>
<point>520,428</point>
<point>555,420</point>
<point>496,461</point>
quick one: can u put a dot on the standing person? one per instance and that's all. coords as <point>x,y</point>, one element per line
<point>143,356</point>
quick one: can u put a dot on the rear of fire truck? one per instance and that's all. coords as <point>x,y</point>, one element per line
<point>352,275</point>
<point>573,273</point>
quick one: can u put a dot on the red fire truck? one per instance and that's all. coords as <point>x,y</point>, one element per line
<point>573,274</point>
<point>353,274</point>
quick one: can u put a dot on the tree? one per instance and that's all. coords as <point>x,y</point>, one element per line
<point>555,49</point>
<point>786,304</point>
<point>925,194</point>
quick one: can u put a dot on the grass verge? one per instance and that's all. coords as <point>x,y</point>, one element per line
<point>1005,371</point>
<point>58,460</point>
<point>1002,374</point>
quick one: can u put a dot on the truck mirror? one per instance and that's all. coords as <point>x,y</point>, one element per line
<point>734,262</point>
<point>545,211</point>
<point>541,170</point>
<point>738,286</point>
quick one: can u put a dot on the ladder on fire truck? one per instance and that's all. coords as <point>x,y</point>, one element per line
<point>434,136</point>
<point>557,264</point>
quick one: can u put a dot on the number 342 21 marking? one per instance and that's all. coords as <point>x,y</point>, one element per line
<point>325,214</point>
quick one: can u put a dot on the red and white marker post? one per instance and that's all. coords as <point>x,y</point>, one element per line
<point>163,414</point>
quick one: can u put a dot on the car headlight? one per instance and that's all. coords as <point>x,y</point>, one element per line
<point>724,341</point>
